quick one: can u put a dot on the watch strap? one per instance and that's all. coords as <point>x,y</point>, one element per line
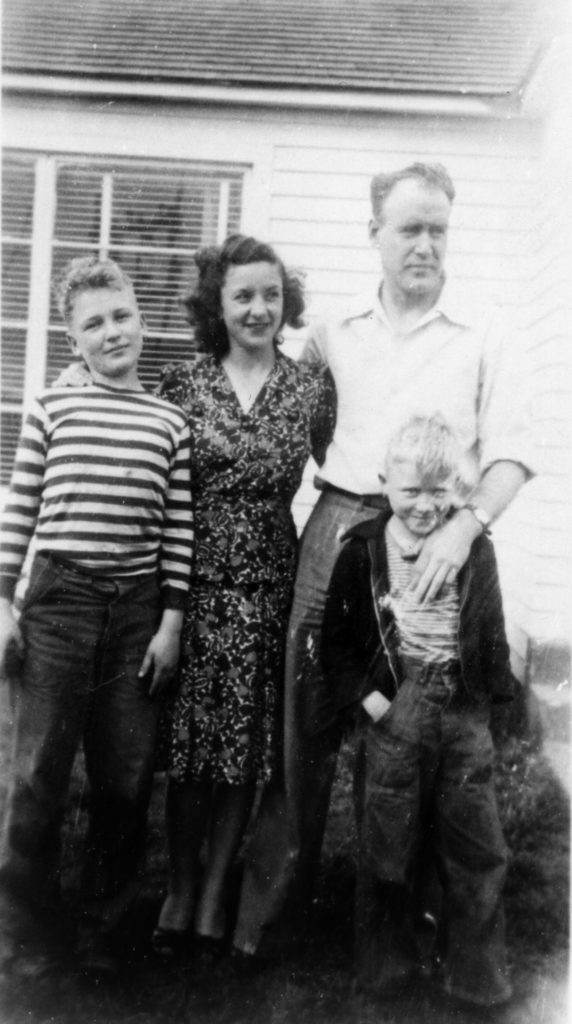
<point>483,518</point>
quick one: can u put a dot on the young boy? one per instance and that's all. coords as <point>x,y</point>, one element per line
<point>420,679</point>
<point>101,495</point>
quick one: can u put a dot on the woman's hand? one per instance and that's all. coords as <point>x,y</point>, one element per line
<point>162,655</point>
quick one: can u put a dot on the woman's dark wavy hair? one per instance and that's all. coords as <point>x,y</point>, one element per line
<point>203,306</point>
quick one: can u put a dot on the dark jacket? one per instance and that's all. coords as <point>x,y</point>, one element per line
<point>359,637</point>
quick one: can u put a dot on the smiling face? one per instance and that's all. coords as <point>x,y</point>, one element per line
<point>106,330</point>
<point>410,231</point>
<point>420,502</point>
<point>251,305</point>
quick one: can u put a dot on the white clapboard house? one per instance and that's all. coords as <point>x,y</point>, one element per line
<point>146,129</point>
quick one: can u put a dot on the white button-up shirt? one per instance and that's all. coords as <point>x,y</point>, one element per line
<point>466,363</point>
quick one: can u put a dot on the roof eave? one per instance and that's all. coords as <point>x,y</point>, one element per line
<point>387,100</point>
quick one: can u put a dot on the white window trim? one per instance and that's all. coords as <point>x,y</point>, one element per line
<point>40,276</point>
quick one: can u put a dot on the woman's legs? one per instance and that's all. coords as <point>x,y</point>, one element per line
<point>231,807</point>
<point>189,806</point>
<point>187,810</point>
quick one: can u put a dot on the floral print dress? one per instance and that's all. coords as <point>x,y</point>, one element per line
<point>224,724</point>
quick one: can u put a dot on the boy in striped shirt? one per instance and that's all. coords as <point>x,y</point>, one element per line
<point>421,678</point>
<point>100,502</point>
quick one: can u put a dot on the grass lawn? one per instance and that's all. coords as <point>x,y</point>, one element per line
<point>315,985</point>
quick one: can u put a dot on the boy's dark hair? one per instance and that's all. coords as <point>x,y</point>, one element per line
<point>86,273</point>
<point>203,305</point>
<point>431,175</point>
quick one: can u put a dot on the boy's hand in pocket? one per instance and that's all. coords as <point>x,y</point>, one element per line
<point>376,705</point>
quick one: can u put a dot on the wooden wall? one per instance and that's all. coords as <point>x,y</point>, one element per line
<point>306,189</point>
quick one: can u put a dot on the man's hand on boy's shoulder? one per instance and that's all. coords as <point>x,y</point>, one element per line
<point>11,643</point>
<point>443,554</point>
<point>162,655</point>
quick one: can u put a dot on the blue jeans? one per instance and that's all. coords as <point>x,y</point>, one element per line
<point>285,850</point>
<point>426,769</point>
<point>84,638</point>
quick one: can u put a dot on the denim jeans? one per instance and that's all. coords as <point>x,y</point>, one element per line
<point>285,850</point>
<point>84,638</point>
<point>429,761</point>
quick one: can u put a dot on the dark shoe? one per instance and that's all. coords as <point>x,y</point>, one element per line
<point>208,949</point>
<point>32,966</point>
<point>169,943</point>
<point>392,988</point>
<point>246,965</point>
<point>96,959</point>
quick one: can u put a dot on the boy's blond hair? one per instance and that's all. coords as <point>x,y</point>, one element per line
<point>84,274</point>
<point>432,446</point>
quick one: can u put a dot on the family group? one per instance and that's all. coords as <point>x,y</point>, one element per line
<point>158,610</point>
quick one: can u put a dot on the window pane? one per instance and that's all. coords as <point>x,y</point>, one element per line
<point>13,360</point>
<point>59,354</point>
<point>15,280</point>
<point>163,210</point>
<point>18,177</point>
<point>10,425</point>
<point>159,280</point>
<point>78,206</point>
<point>157,352</point>
<point>234,207</point>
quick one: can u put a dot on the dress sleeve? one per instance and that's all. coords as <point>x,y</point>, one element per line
<point>177,538</point>
<point>323,413</point>
<point>505,407</point>
<point>171,383</point>
<point>314,351</point>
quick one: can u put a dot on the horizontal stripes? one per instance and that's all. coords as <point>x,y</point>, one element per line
<point>102,478</point>
<point>428,632</point>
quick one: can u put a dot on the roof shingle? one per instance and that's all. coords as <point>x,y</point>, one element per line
<point>479,47</point>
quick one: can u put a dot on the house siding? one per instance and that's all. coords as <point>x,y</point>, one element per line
<point>536,532</point>
<point>306,189</point>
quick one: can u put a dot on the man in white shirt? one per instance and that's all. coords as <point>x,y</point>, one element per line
<point>408,349</point>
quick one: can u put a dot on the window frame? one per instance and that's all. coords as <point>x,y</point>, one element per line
<point>36,319</point>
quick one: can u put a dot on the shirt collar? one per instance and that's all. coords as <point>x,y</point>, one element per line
<point>408,548</point>
<point>453,304</point>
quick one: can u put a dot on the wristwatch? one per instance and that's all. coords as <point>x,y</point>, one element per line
<point>483,518</point>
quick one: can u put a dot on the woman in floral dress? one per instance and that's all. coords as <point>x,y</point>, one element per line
<point>255,417</point>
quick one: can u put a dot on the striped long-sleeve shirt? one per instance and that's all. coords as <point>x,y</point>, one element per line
<point>102,479</point>
<point>428,632</point>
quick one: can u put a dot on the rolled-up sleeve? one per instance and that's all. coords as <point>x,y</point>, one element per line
<point>505,421</point>
<point>314,350</point>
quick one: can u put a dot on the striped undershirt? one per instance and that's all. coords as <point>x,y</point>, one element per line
<point>102,479</point>
<point>427,632</point>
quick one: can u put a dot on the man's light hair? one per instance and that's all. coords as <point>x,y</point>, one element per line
<point>432,446</point>
<point>434,176</point>
<point>84,274</point>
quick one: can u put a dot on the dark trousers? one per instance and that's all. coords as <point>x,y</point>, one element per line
<point>285,850</point>
<point>84,643</point>
<point>430,760</point>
